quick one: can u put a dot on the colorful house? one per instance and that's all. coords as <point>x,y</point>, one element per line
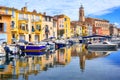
<point>47,27</point>
<point>5,23</point>
<point>63,26</point>
<point>29,25</point>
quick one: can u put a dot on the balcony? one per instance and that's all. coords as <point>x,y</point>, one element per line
<point>37,31</point>
<point>15,30</point>
<point>23,20</point>
<point>23,31</point>
<point>36,20</point>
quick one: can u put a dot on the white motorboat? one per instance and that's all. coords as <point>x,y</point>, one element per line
<point>102,46</point>
<point>49,44</point>
<point>2,51</point>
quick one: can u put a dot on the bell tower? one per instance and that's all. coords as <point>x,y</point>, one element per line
<point>81,14</point>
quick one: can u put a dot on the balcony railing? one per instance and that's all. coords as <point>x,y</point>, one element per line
<point>14,29</point>
<point>36,20</point>
<point>37,31</point>
<point>23,31</point>
<point>23,19</point>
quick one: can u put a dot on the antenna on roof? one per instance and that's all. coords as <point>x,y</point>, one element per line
<point>26,4</point>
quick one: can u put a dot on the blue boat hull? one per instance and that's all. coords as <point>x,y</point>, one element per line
<point>33,50</point>
<point>35,53</point>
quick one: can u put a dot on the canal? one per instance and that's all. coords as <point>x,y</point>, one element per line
<point>69,63</point>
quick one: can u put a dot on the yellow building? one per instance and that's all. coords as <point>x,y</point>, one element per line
<point>76,29</point>
<point>29,25</point>
<point>84,30</point>
<point>63,26</point>
<point>25,25</point>
<point>34,27</point>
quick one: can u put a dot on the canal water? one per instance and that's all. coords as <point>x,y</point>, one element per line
<point>69,63</point>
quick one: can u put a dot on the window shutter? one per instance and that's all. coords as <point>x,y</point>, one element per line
<point>5,27</point>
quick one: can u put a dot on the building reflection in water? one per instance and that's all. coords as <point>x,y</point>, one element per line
<point>80,50</point>
<point>23,67</point>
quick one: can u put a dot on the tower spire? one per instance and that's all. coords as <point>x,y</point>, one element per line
<point>26,4</point>
<point>81,14</point>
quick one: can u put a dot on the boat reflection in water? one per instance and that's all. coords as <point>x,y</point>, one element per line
<point>84,54</point>
<point>23,67</point>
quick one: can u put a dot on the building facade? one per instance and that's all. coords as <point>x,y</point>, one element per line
<point>63,26</point>
<point>5,27</point>
<point>114,30</point>
<point>47,27</point>
<point>25,25</point>
<point>100,27</point>
<point>76,29</point>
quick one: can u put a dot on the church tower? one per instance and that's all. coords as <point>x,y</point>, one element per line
<point>81,14</point>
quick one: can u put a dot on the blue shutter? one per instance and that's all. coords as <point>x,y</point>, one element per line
<point>5,27</point>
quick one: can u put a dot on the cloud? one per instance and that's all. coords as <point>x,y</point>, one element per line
<point>68,7</point>
<point>117,24</point>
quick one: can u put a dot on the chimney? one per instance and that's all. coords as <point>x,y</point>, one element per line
<point>44,13</point>
<point>24,9</point>
<point>34,11</point>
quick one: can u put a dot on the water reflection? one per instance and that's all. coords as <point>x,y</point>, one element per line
<point>84,54</point>
<point>22,68</point>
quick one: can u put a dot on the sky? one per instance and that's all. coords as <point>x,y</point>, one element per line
<point>103,9</point>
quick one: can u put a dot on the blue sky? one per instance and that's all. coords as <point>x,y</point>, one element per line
<point>104,9</point>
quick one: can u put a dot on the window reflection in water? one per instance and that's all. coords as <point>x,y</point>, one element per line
<point>28,65</point>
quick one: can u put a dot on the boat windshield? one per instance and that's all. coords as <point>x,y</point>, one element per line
<point>105,42</point>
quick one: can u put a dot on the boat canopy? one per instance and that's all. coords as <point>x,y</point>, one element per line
<point>100,36</point>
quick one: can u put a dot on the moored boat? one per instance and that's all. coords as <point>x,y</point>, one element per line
<point>60,43</point>
<point>32,49</point>
<point>102,46</point>
<point>2,51</point>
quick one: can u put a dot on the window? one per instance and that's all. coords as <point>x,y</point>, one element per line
<point>13,13</point>
<point>27,27</point>
<point>65,19</point>
<point>38,27</point>
<point>1,27</point>
<point>33,29</point>
<point>0,17</point>
<point>45,18</point>
<point>32,18</point>
<point>5,26</point>
<point>22,26</point>
<point>21,16</point>
<point>6,11</point>
<point>62,25</point>
<point>46,29</point>
<point>27,16</point>
<point>49,19</point>
<point>12,24</point>
<point>37,18</point>
<point>54,24</point>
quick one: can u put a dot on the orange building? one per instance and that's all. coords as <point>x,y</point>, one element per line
<point>100,27</point>
<point>5,23</point>
<point>92,26</point>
